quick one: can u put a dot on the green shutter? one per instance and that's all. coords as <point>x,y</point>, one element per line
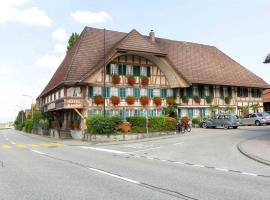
<point>90,91</point>
<point>137,93</point>
<point>259,93</point>
<point>201,91</point>
<point>182,92</point>
<point>136,71</point>
<point>122,92</point>
<point>221,92</point>
<point>211,91</point>
<point>238,92</point>
<point>175,93</point>
<point>190,92</point>
<point>124,70</point>
<point>106,92</point>
<point>108,69</point>
<point>120,71</point>
<point>230,92</point>
<point>150,93</point>
<point>148,71</point>
<point>163,93</point>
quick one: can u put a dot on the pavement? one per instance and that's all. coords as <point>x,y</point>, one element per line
<point>203,165</point>
<point>257,148</point>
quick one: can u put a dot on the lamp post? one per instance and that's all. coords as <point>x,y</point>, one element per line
<point>25,95</point>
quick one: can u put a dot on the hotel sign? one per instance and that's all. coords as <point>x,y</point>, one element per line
<point>74,103</point>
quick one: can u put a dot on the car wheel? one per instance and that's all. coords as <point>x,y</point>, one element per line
<point>226,126</point>
<point>257,123</point>
<point>204,125</point>
<point>235,127</point>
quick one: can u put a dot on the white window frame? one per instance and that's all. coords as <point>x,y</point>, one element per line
<point>156,92</point>
<point>143,71</point>
<point>114,69</point>
<point>97,91</point>
<point>225,92</point>
<point>74,92</point>
<point>143,92</point>
<point>195,91</point>
<point>129,71</point>
<point>169,92</point>
<point>129,91</point>
<point>62,93</point>
<point>114,91</point>
<point>206,90</point>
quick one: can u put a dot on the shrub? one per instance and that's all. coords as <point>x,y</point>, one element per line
<point>170,101</point>
<point>44,124</point>
<point>157,101</point>
<point>144,100</point>
<point>19,127</point>
<point>115,100</point>
<point>98,99</point>
<point>196,120</point>
<point>170,123</point>
<point>184,120</point>
<point>116,79</point>
<point>144,80</point>
<point>98,124</point>
<point>157,124</point>
<point>28,125</point>
<point>138,121</point>
<point>130,100</point>
<point>131,80</point>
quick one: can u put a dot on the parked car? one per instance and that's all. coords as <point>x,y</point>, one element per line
<point>225,120</point>
<point>256,119</point>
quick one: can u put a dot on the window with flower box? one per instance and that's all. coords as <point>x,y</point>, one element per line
<point>97,91</point>
<point>129,71</point>
<point>129,91</point>
<point>143,71</point>
<point>143,92</point>
<point>114,69</point>
<point>114,91</point>
<point>156,92</point>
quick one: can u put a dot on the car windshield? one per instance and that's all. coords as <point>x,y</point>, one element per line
<point>259,114</point>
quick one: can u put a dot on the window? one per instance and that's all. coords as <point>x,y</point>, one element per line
<point>256,92</point>
<point>156,92</point>
<point>114,91</point>
<point>74,92</point>
<point>163,93</point>
<point>97,91</point>
<point>137,93</point>
<point>122,92</point>
<point>225,91</point>
<point>195,91</point>
<point>106,92</point>
<point>169,92</point>
<point>129,91</point>
<point>129,113</point>
<point>143,71</point>
<point>150,93</point>
<point>242,92</point>
<point>143,92</point>
<point>62,93</point>
<point>114,69</point>
<point>206,91</point>
<point>57,94</point>
<point>129,70</point>
<point>136,70</point>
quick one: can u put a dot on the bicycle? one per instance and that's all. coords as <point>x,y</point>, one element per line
<point>180,127</point>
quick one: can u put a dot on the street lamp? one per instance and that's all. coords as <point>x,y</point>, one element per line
<point>25,95</point>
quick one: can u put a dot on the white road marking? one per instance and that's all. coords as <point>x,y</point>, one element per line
<point>163,160</point>
<point>12,142</point>
<point>179,163</point>
<point>145,150</point>
<point>114,175</point>
<point>221,169</point>
<point>198,165</point>
<point>104,150</point>
<point>178,143</point>
<point>39,152</point>
<point>150,158</point>
<point>250,174</point>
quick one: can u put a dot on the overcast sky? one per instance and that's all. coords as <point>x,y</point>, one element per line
<point>34,34</point>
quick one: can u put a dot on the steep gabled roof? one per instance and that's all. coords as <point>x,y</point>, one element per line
<point>196,62</point>
<point>134,41</point>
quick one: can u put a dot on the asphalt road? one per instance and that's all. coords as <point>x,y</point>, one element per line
<point>201,165</point>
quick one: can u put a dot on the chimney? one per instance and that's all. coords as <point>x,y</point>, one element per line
<point>152,36</point>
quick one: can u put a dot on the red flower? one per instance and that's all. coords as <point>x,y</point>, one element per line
<point>131,80</point>
<point>98,99</point>
<point>130,100</point>
<point>115,100</point>
<point>144,81</point>
<point>157,101</point>
<point>144,100</point>
<point>116,79</point>
<point>170,101</point>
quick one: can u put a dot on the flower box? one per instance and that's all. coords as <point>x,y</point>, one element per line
<point>185,99</point>
<point>131,80</point>
<point>170,101</point>
<point>197,99</point>
<point>115,100</point>
<point>98,99</point>
<point>209,99</point>
<point>227,100</point>
<point>116,79</point>
<point>130,100</point>
<point>144,81</point>
<point>157,101</point>
<point>144,100</point>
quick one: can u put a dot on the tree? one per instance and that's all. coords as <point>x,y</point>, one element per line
<point>244,109</point>
<point>255,107</point>
<point>229,109</point>
<point>72,39</point>
<point>213,108</point>
<point>170,111</point>
<point>20,119</point>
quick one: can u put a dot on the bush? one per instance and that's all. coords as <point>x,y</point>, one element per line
<point>99,124</point>
<point>157,124</point>
<point>28,125</point>
<point>136,121</point>
<point>196,120</point>
<point>170,123</point>
<point>19,127</point>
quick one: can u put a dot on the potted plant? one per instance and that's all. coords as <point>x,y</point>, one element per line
<point>185,120</point>
<point>157,101</point>
<point>227,100</point>
<point>116,79</point>
<point>144,80</point>
<point>98,99</point>
<point>144,100</point>
<point>131,80</point>
<point>115,100</point>
<point>170,101</point>
<point>130,100</point>
<point>185,99</point>
<point>197,99</point>
<point>209,99</point>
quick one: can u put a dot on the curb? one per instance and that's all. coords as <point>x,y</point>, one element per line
<point>253,157</point>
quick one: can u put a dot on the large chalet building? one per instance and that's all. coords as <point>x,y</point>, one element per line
<point>142,75</point>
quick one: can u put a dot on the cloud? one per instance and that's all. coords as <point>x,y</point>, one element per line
<point>10,12</point>
<point>60,34</point>
<point>87,17</point>
<point>50,61</point>
<point>4,70</point>
<point>60,48</point>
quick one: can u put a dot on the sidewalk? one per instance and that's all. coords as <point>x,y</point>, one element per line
<point>257,148</point>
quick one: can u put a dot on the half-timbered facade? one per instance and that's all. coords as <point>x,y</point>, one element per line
<point>142,75</point>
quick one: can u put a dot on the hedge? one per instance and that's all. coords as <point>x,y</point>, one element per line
<point>156,124</point>
<point>98,124</point>
<point>28,125</point>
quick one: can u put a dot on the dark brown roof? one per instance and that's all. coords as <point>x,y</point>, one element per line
<point>196,62</point>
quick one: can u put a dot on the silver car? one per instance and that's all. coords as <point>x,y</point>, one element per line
<point>256,119</point>
<point>226,120</point>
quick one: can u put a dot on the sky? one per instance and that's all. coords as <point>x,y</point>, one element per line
<point>34,34</point>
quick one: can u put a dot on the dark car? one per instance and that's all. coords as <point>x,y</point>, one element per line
<point>225,120</point>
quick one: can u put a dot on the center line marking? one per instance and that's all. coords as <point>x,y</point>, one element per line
<point>250,174</point>
<point>39,152</point>
<point>104,150</point>
<point>114,175</point>
<point>144,150</point>
<point>221,169</point>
